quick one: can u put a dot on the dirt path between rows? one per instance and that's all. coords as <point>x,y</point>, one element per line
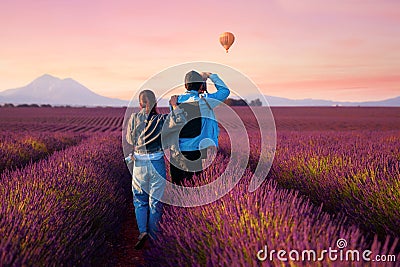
<point>124,253</point>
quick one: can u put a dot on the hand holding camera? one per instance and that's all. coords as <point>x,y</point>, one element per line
<point>205,75</point>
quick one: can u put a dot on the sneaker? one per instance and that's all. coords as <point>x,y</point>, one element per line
<point>141,240</point>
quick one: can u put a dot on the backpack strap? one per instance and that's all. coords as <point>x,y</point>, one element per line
<point>208,105</point>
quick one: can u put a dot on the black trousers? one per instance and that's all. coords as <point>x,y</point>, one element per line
<point>178,175</point>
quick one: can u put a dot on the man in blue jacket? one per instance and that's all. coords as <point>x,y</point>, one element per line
<point>202,131</point>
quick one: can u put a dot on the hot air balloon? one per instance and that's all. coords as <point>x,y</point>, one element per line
<point>226,39</point>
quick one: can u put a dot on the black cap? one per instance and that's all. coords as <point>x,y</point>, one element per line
<point>193,76</point>
<point>193,80</point>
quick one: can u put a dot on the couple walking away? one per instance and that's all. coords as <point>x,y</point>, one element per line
<point>193,121</point>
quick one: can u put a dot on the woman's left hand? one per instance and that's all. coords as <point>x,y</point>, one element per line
<point>173,101</point>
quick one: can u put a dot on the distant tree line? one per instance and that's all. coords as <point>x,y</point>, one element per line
<point>256,103</point>
<point>235,102</point>
<point>10,105</point>
<point>229,102</point>
<point>242,102</point>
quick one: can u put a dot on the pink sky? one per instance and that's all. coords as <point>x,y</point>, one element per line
<point>344,50</point>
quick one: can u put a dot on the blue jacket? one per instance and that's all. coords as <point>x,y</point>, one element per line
<point>209,123</point>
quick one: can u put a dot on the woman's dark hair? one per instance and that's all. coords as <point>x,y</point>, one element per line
<point>151,104</point>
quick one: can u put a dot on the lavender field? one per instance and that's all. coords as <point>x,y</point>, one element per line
<point>65,192</point>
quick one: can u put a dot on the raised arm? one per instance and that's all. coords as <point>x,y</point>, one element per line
<point>177,119</point>
<point>222,92</point>
<point>174,122</point>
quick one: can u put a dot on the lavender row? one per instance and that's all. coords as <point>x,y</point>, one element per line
<point>18,149</point>
<point>354,172</point>
<point>234,229</point>
<point>357,173</point>
<point>64,210</point>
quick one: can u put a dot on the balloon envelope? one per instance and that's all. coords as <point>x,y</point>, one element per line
<point>226,39</point>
